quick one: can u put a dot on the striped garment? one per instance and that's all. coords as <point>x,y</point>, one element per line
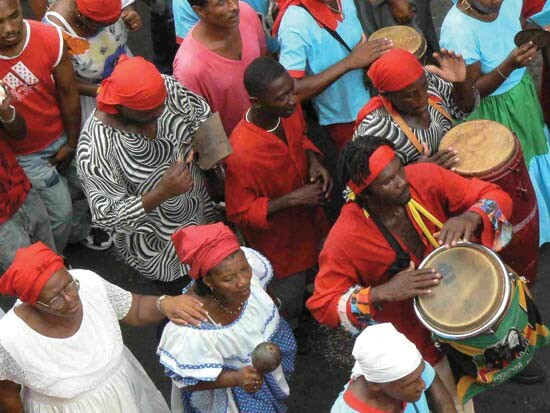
<point>116,168</point>
<point>380,123</point>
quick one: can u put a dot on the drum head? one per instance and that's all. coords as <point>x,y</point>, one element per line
<point>482,145</point>
<point>471,294</point>
<point>404,37</point>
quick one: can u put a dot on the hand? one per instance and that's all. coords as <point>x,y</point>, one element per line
<point>308,195</point>
<point>365,53</point>
<point>62,158</point>
<point>183,310</point>
<point>446,158</point>
<point>250,379</point>
<point>401,10</point>
<point>459,228</point>
<point>406,284</point>
<point>520,56</point>
<point>452,67</point>
<point>5,111</point>
<point>176,181</point>
<point>317,173</point>
<point>131,18</point>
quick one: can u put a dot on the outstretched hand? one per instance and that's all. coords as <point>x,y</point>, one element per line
<point>452,67</point>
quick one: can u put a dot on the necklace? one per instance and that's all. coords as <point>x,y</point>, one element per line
<point>273,129</point>
<point>338,10</point>
<point>227,310</point>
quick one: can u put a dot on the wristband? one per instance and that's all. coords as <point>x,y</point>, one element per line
<point>159,300</point>
<point>10,120</point>
<point>500,73</point>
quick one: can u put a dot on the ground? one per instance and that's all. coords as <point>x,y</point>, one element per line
<point>321,374</point>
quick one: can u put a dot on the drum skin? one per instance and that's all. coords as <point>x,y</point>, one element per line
<point>404,37</point>
<point>491,152</point>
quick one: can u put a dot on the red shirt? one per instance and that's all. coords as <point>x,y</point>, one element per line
<point>356,252</point>
<point>262,167</point>
<point>29,78</point>
<point>14,185</point>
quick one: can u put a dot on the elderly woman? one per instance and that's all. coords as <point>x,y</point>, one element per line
<point>417,106</point>
<point>96,32</point>
<point>210,365</point>
<point>134,162</point>
<point>390,375</point>
<point>483,31</point>
<point>62,343</point>
<point>323,49</point>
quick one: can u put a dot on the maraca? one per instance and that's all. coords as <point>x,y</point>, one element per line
<point>266,357</point>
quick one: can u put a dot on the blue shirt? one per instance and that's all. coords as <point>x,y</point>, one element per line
<point>428,375</point>
<point>486,42</point>
<point>308,49</point>
<point>185,18</point>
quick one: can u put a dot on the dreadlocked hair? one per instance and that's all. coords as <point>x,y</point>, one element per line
<point>353,162</point>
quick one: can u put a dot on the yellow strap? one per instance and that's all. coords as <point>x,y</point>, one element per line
<point>417,209</point>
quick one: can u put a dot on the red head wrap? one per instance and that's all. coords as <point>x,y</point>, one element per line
<point>31,269</point>
<point>101,11</point>
<point>379,159</point>
<point>391,72</point>
<point>324,16</point>
<point>205,246</point>
<point>135,83</point>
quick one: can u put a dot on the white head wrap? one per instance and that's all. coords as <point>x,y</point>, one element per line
<point>382,354</point>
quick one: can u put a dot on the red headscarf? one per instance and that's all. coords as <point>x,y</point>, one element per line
<point>135,83</point>
<point>101,11</point>
<point>205,246</point>
<point>378,161</point>
<point>30,270</point>
<point>319,10</point>
<point>391,72</point>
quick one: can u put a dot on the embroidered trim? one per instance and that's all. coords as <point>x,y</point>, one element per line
<point>345,322</point>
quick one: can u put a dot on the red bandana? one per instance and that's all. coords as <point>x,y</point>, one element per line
<point>101,11</point>
<point>205,246</point>
<point>31,269</point>
<point>135,84</point>
<point>379,159</point>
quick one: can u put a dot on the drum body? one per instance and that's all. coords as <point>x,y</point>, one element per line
<point>404,37</point>
<point>491,152</point>
<point>481,315</point>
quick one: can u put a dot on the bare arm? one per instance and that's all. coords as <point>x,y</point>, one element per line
<point>249,378</point>
<point>38,8</point>
<point>86,88</point>
<point>68,98</point>
<point>439,399</point>
<point>10,401</point>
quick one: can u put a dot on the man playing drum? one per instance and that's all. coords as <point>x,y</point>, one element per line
<point>367,265</point>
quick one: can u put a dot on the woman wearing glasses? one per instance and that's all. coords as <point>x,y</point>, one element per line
<point>62,342</point>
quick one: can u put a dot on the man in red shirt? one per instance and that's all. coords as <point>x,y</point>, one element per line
<point>275,182</point>
<point>39,76</point>
<point>23,218</point>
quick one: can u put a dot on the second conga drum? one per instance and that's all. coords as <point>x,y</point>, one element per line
<point>491,152</point>
<point>404,37</point>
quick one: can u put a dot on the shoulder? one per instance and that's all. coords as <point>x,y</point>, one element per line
<point>350,217</point>
<point>247,12</point>
<point>298,19</point>
<point>425,175</point>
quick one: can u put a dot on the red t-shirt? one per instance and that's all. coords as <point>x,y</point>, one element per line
<point>14,185</point>
<point>29,78</point>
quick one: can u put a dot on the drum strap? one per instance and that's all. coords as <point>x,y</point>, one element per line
<point>402,258</point>
<point>433,102</point>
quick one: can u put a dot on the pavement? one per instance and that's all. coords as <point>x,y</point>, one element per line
<point>321,374</point>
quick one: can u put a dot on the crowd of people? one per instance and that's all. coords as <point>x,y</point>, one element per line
<point>101,148</point>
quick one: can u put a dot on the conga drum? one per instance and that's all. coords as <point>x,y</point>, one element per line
<point>404,37</point>
<point>481,315</point>
<point>491,152</point>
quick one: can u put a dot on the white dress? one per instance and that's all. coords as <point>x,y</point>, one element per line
<point>89,372</point>
<point>191,354</point>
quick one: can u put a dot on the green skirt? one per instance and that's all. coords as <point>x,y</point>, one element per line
<point>519,110</point>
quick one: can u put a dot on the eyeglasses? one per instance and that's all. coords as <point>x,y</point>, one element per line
<point>57,302</point>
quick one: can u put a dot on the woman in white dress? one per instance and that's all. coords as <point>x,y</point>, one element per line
<point>210,365</point>
<point>61,348</point>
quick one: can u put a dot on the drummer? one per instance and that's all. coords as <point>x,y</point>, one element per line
<point>417,105</point>
<point>385,230</point>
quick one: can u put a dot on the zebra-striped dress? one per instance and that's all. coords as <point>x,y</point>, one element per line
<point>380,123</point>
<point>116,168</point>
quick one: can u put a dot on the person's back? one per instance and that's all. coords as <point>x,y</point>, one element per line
<point>213,57</point>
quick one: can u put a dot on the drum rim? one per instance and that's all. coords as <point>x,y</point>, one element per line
<point>423,47</point>
<point>488,324</point>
